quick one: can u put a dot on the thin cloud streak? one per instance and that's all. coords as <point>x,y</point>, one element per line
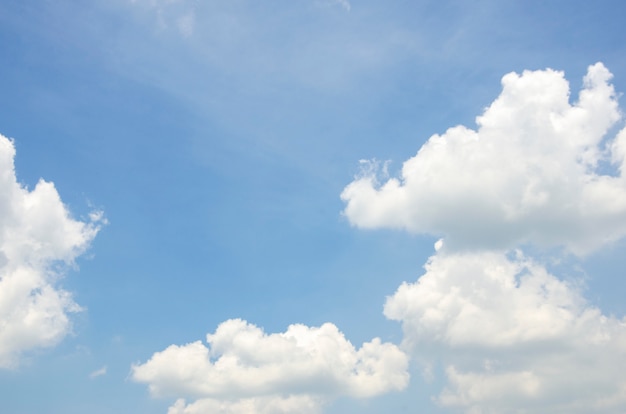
<point>98,373</point>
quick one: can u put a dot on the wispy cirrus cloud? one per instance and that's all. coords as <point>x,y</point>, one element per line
<point>171,14</point>
<point>98,373</point>
<point>345,4</point>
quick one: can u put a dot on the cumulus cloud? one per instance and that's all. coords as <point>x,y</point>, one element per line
<point>300,404</point>
<point>38,238</point>
<point>296,371</point>
<point>534,171</point>
<point>511,336</point>
<point>508,335</point>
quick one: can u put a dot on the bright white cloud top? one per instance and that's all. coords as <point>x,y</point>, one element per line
<point>246,370</point>
<point>533,172</point>
<point>38,237</point>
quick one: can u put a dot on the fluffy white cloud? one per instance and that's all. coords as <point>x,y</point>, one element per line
<point>291,372</point>
<point>531,172</point>
<point>300,404</point>
<point>511,336</point>
<point>38,237</point>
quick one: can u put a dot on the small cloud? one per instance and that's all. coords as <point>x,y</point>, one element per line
<point>97,216</point>
<point>179,14</point>
<point>438,244</point>
<point>98,373</point>
<point>185,24</point>
<point>345,4</point>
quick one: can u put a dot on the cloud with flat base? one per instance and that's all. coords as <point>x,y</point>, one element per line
<point>244,369</point>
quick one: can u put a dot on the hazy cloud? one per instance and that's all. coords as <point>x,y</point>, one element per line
<point>177,14</point>
<point>38,238</point>
<point>290,372</point>
<point>344,4</point>
<point>98,373</point>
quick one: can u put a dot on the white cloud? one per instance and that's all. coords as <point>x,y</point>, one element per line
<point>186,23</point>
<point>301,404</point>
<point>98,373</point>
<point>529,173</point>
<point>37,238</point>
<point>290,372</point>
<point>171,13</point>
<point>511,336</point>
<point>345,4</point>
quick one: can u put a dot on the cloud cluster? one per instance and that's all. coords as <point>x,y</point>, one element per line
<point>244,369</point>
<point>510,334</point>
<point>38,237</point>
<point>531,173</point>
<point>540,171</point>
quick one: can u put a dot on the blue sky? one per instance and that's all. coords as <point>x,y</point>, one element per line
<point>215,148</point>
